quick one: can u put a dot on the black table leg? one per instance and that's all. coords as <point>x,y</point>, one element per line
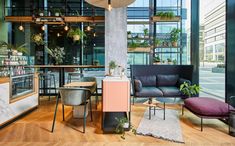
<point>62,77</point>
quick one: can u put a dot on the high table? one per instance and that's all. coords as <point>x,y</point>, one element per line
<point>62,70</point>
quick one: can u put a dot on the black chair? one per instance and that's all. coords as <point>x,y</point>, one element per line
<point>73,97</point>
<point>46,80</point>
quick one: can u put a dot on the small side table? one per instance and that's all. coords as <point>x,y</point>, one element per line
<point>152,103</point>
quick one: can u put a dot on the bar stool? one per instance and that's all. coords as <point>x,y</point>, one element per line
<point>74,76</point>
<point>47,78</point>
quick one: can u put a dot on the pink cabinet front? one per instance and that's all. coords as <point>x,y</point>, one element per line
<point>116,96</point>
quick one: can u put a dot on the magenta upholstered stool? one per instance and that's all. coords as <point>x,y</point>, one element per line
<point>205,107</point>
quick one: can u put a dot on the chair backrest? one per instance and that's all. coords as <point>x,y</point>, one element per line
<point>88,79</point>
<point>74,96</point>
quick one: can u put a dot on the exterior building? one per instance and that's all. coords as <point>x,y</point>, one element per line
<point>215,33</point>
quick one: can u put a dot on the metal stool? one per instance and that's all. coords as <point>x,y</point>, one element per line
<point>76,76</point>
<point>44,78</point>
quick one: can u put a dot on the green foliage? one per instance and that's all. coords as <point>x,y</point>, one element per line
<point>56,10</point>
<point>146,31</point>
<point>174,61</point>
<point>120,129</point>
<point>57,53</point>
<point>175,34</point>
<point>112,65</point>
<point>157,59</point>
<point>20,48</point>
<point>128,32</point>
<point>189,90</point>
<point>169,60</point>
<point>72,32</point>
<point>166,15</point>
<point>157,42</point>
<point>37,39</point>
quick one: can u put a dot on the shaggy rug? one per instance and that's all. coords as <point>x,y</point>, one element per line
<point>168,129</point>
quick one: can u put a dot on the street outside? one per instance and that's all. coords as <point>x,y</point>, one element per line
<point>212,84</point>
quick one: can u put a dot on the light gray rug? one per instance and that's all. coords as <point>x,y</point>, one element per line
<point>168,129</point>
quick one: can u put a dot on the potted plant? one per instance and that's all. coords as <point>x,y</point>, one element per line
<point>157,42</point>
<point>19,50</point>
<point>129,36</point>
<point>175,36</point>
<point>169,60</point>
<point>57,12</point>
<point>37,39</point>
<point>166,15</point>
<point>41,12</point>
<point>189,90</point>
<point>57,54</point>
<point>123,124</point>
<point>96,62</point>
<point>112,66</point>
<point>174,61</point>
<point>146,33</point>
<point>157,60</point>
<point>75,34</point>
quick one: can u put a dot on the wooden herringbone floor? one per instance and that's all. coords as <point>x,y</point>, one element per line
<point>34,130</point>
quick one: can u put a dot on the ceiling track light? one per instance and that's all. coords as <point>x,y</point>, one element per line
<point>21,28</point>
<point>109,5</point>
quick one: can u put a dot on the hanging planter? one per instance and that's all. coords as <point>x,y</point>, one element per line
<point>76,34</point>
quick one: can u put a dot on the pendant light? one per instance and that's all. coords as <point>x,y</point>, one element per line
<point>109,5</point>
<point>43,27</point>
<point>21,28</point>
<point>88,27</point>
<point>66,28</point>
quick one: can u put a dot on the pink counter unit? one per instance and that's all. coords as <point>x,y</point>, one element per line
<point>116,94</point>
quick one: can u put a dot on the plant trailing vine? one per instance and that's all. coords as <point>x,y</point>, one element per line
<point>120,128</point>
<point>76,34</point>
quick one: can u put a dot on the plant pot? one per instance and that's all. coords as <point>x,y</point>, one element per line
<point>111,72</point>
<point>146,36</point>
<point>174,44</point>
<point>76,37</point>
<point>129,36</point>
<point>78,111</point>
<point>126,125</point>
<point>170,63</point>
<point>41,14</point>
<point>57,14</point>
<point>157,63</point>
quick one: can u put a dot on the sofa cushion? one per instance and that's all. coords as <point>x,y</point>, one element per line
<point>147,81</point>
<point>170,91</point>
<point>205,106</point>
<point>167,80</point>
<point>138,85</point>
<point>149,92</point>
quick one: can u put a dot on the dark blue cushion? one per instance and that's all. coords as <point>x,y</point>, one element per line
<point>167,80</point>
<point>147,81</point>
<point>138,85</point>
<point>149,92</point>
<point>170,91</point>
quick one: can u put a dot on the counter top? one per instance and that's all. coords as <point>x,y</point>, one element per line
<point>67,66</point>
<point>4,80</point>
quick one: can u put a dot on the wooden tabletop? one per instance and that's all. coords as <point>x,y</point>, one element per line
<point>67,66</point>
<point>80,84</point>
<point>154,103</point>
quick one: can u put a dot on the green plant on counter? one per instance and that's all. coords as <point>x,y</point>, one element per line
<point>57,54</point>
<point>166,15</point>
<point>37,39</point>
<point>19,48</point>
<point>157,59</point>
<point>174,61</point>
<point>169,60</point>
<point>132,45</point>
<point>189,90</point>
<point>122,124</point>
<point>112,65</point>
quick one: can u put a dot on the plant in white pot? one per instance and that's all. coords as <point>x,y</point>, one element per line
<point>76,34</point>
<point>129,36</point>
<point>112,66</point>
<point>146,33</point>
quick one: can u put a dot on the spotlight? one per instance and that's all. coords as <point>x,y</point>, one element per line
<point>94,34</point>
<point>58,35</point>
<point>109,5</point>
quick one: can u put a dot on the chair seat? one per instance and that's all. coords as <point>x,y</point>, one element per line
<point>205,106</point>
<point>170,91</point>
<point>149,92</point>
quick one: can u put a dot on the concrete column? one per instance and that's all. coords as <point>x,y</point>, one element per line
<point>116,37</point>
<point>3,25</point>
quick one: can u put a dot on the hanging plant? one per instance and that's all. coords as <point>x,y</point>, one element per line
<point>76,34</point>
<point>37,39</point>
